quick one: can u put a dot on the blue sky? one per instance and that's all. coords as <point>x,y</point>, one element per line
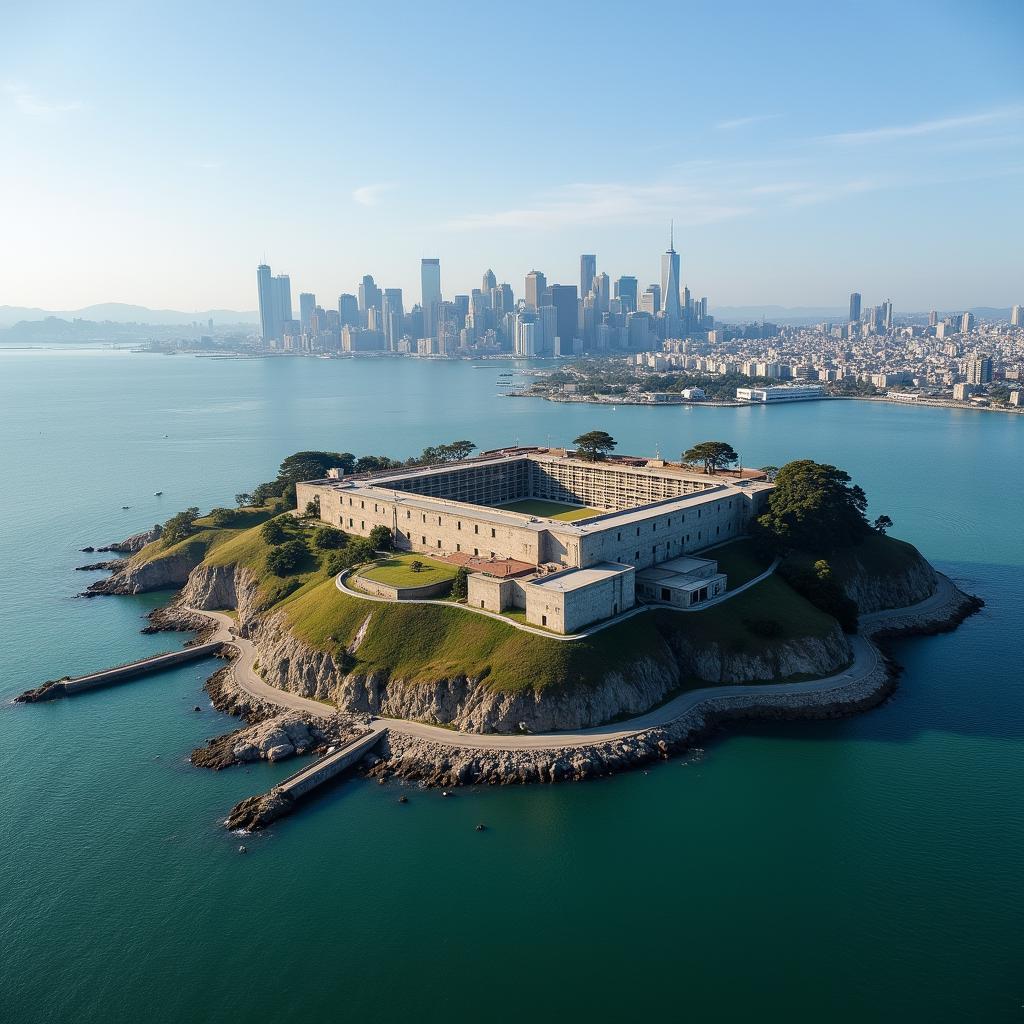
<point>155,153</point>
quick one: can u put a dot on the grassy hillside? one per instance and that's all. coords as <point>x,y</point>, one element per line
<point>424,643</point>
<point>877,555</point>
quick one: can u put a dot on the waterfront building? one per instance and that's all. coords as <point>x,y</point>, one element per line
<point>430,285</point>
<point>781,393</point>
<point>566,302</point>
<point>393,314</point>
<point>370,297</point>
<point>265,292</point>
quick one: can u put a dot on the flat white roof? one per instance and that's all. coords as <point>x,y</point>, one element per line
<point>576,579</point>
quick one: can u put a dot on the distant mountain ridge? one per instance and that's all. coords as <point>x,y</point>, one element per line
<point>125,313</point>
<point>812,314</point>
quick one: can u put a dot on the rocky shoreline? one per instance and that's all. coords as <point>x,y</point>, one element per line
<point>273,734</point>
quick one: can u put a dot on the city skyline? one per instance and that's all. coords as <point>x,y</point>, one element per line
<point>786,181</point>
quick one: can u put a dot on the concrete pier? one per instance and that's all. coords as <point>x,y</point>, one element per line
<point>121,673</point>
<point>330,765</point>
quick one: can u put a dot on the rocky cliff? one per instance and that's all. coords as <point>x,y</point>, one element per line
<point>160,573</point>
<point>471,704</point>
<point>913,581</point>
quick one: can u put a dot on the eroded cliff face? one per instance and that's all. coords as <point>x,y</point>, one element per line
<point>131,577</point>
<point>470,704</point>
<point>875,593</point>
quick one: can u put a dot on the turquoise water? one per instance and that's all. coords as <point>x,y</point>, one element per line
<point>866,869</point>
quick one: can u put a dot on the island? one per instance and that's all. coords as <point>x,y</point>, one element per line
<point>531,614</point>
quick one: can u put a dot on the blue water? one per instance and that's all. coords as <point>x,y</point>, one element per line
<point>865,869</point>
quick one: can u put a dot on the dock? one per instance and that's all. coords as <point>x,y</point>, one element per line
<point>256,812</point>
<point>120,673</point>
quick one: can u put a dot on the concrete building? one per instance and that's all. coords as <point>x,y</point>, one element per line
<point>781,393</point>
<point>636,513</point>
<point>430,284</point>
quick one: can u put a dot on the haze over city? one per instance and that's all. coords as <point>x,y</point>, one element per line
<point>156,155</point>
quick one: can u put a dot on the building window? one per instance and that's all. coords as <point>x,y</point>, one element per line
<point>476,528</point>
<point>408,514</point>
<point>666,594</point>
<point>439,543</point>
<point>543,620</point>
<point>423,540</point>
<point>637,556</point>
<point>458,524</point>
<point>493,534</point>
<point>476,552</point>
<point>362,504</point>
<point>458,547</point>
<point>362,524</point>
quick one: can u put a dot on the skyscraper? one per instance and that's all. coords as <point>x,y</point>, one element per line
<point>979,369</point>
<point>393,312</point>
<point>588,271</point>
<point>430,285</point>
<point>536,282</point>
<point>307,303</point>
<point>626,290</point>
<point>489,283</point>
<point>888,314</point>
<point>265,290</point>
<point>650,301</point>
<point>370,297</point>
<point>282,290</point>
<point>348,310</point>
<point>566,302</point>
<point>670,282</point>
<point>967,325</point>
<point>601,287</point>
<point>854,307</point>
<point>1017,316</point>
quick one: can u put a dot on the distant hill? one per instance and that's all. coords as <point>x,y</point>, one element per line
<point>123,313</point>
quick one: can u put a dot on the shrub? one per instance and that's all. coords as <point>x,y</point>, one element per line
<point>380,539</point>
<point>273,532</point>
<point>416,565</point>
<point>327,538</point>
<point>287,559</point>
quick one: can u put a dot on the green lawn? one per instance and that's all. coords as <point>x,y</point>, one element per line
<point>739,561</point>
<point>397,571</point>
<point>549,509</point>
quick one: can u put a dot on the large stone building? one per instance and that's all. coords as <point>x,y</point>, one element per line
<point>631,514</point>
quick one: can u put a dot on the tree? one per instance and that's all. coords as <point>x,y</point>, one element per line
<point>273,531</point>
<point>416,565</point>
<point>814,508</point>
<point>372,463</point>
<point>313,465</point>
<point>223,516</point>
<point>771,472</point>
<point>179,526</point>
<point>264,492</point>
<point>288,558</point>
<point>713,454</point>
<point>244,500</point>
<point>460,585</point>
<point>359,551</point>
<point>458,450</point>
<point>313,507</point>
<point>327,538</point>
<point>594,445</point>
<point>380,539</point>
<point>882,524</point>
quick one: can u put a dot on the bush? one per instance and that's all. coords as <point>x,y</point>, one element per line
<point>287,559</point>
<point>380,539</point>
<point>360,550</point>
<point>327,538</point>
<point>273,532</point>
<point>222,517</point>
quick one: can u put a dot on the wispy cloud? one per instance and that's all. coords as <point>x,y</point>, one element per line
<point>32,104</point>
<point>930,127</point>
<point>608,203</point>
<point>370,195</point>
<point>743,122</point>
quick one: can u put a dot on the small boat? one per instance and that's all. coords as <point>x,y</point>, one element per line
<point>156,494</point>
<point>124,508</point>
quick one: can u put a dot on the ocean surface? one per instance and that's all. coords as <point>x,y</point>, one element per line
<point>864,869</point>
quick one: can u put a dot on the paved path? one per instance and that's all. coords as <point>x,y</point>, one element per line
<point>866,658</point>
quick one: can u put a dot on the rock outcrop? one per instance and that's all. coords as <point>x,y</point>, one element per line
<point>874,592</point>
<point>136,542</point>
<point>165,572</point>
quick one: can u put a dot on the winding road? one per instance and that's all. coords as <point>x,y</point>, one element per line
<point>866,659</point>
